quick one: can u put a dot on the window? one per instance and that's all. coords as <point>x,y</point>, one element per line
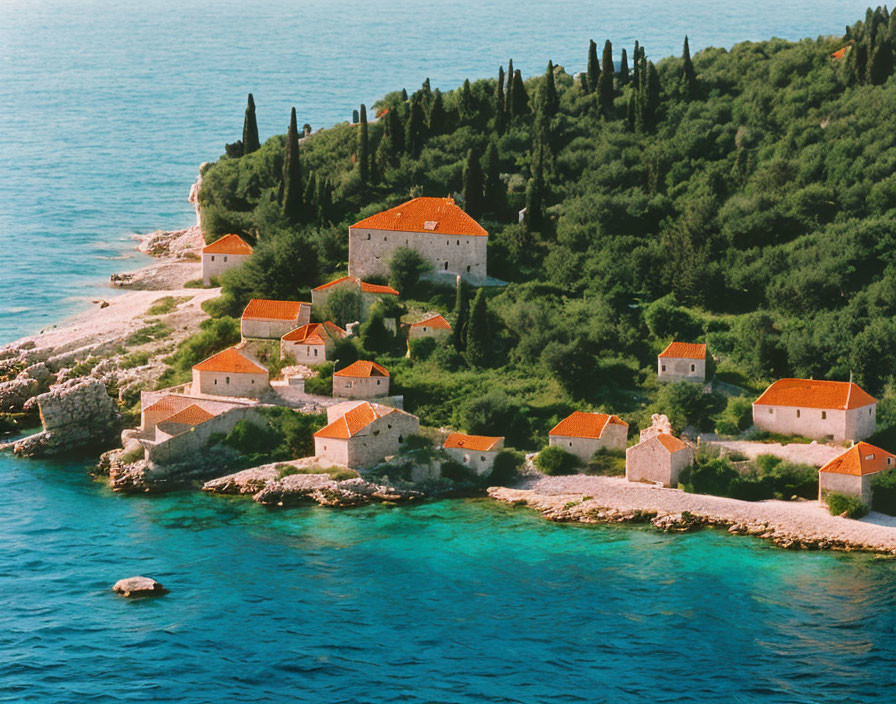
<point>315,352</point>
<point>824,415</point>
<point>869,411</point>
<point>348,384</point>
<point>797,412</point>
<point>771,410</point>
<point>663,367</point>
<point>213,257</point>
<point>385,239</point>
<point>570,443</point>
<point>252,381</point>
<point>468,268</point>
<point>446,265</point>
<point>400,439</point>
<point>216,382</point>
<point>693,367</point>
<point>424,328</point>
<point>458,243</point>
<point>378,382</point>
<point>482,458</point>
<point>368,235</point>
<point>225,258</point>
<point>889,461</point>
<point>466,459</point>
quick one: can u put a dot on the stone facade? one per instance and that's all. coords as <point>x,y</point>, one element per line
<point>434,326</point>
<point>369,444</point>
<point>657,459</point>
<point>838,425</point>
<point>683,361</point>
<point>230,384</point>
<point>845,484</point>
<point>173,449</point>
<point>277,322</point>
<point>584,448</point>
<point>370,294</point>
<point>481,461</point>
<point>213,265</point>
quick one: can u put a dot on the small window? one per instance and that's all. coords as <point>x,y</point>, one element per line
<point>889,461</point>
<point>348,384</point>
<point>315,352</point>
<point>252,381</point>
<point>482,458</point>
<point>458,243</point>
<point>378,382</point>
<point>466,459</point>
<point>446,265</point>
<point>468,268</point>
<point>213,257</point>
<point>771,410</point>
<point>216,382</point>
<point>869,411</point>
<point>424,328</point>
<point>226,379</point>
<point>693,367</point>
<point>400,439</point>
<point>368,235</point>
<point>824,415</point>
<point>570,443</point>
<point>664,367</point>
<point>385,239</point>
<point>225,258</point>
<point>797,412</point>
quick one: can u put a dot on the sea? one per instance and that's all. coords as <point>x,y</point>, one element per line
<point>107,109</point>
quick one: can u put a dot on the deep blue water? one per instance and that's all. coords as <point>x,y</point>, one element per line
<point>106,110</point>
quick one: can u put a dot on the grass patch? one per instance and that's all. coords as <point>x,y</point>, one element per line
<point>839,504</point>
<point>149,333</point>
<point>607,463</point>
<point>166,304</point>
<point>337,474</point>
<point>767,437</point>
<point>131,456</point>
<point>84,367</point>
<point>213,336</point>
<point>135,359</point>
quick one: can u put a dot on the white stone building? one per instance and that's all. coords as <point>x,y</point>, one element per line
<point>365,435</point>
<point>582,434</point>
<point>312,343</point>
<point>432,326</point>
<point>659,457</point>
<point>228,252</point>
<point>816,408</point>
<point>682,361</point>
<point>370,294</point>
<point>271,320</point>
<point>851,472</point>
<point>363,379</point>
<point>443,234</point>
<point>230,373</point>
<point>475,451</point>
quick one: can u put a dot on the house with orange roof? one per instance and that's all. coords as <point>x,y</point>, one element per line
<point>271,320</point>
<point>816,408</point>
<point>659,457</point>
<point>475,451</point>
<point>364,435</point>
<point>432,326</point>
<point>312,343</point>
<point>182,422</point>
<point>582,434</point>
<point>369,293</point>
<point>682,361</point>
<point>436,228</point>
<point>851,472</point>
<point>224,254</point>
<point>230,373</point>
<point>363,379</point>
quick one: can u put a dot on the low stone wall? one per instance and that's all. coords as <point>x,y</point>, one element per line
<point>180,447</point>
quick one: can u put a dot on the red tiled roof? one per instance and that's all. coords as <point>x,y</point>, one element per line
<point>230,361</point>
<point>670,442</point>
<point>313,333</point>
<point>228,244</point>
<point>363,369</point>
<point>436,322</point>
<point>263,309</point>
<point>169,404</point>
<point>815,393</point>
<point>861,459</point>
<point>354,421</point>
<point>585,425</point>
<point>684,350</point>
<point>438,216</point>
<point>191,415</point>
<point>477,443</point>
<point>840,53</point>
<point>365,287</point>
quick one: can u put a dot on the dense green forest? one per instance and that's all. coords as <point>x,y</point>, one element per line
<point>743,197</point>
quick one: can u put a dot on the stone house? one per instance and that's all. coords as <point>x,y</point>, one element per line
<point>362,379</point>
<point>851,472</point>
<point>659,458</point>
<point>443,234</point>
<point>228,252</point>
<point>182,422</point>
<point>156,407</point>
<point>682,361</point>
<point>230,373</point>
<point>365,435</point>
<point>273,319</point>
<point>816,408</point>
<point>434,326</point>
<point>582,434</point>
<point>370,294</point>
<point>475,451</point>
<point>312,343</point>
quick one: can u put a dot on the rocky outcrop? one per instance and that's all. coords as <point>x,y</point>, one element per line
<point>75,415</point>
<point>135,587</point>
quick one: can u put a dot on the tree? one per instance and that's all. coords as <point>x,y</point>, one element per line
<point>520,103</point>
<point>623,69</point>
<point>374,335</point>
<point>547,98</point>
<point>282,267</point>
<point>688,75</point>
<point>473,185</point>
<point>479,342</point>
<point>344,306</point>
<point>391,146</point>
<point>250,128</point>
<point>466,106</point>
<point>500,117</point>
<point>605,91</point>
<point>508,93</point>
<point>309,200</point>
<point>324,200</point>
<point>405,269</point>
<point>461,317</point>
<point>363,147</point>
<point>569,365</point>
<point>438,118</point>
<point>292,174</point>
<point>648,100</point>
<point>593,67</point>
<point>494,190</point>
<point>415,132</point>
<point>535,193</point>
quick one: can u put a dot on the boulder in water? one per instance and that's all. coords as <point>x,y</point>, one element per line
<point>133,587</point>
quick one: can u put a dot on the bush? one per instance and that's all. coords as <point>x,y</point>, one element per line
<point>422,348</point>
<point>322,384</point>
<point>405,269</point>
<point>457,472</point>
<point>494,413</point>
<point>133,455</point>
<point>505,470</point>
<point>607,463</point>
<point>555,460</point>
<point>737,416</point>
<point>788,479</point>
<point>344,306</point>
<point>286,435</point>
<point>686,404</point>
<point>883,488</point>
<point>840,504</point>
<point>715,476</point>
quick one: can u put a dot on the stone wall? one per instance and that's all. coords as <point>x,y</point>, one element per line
<point>856,424</point>
<point>677,369</point>
<point>319,299</point>
<point>650,461</point>
<point>360,387</point>
<point>230,384</point>
<point>382,438</point>
<point>213,265</point>
<point>614,437</point>
<point>845,484</point>
<point>191,444</point>
<point>480,462</point>
<point>303,353</point>
<point>274,329</point>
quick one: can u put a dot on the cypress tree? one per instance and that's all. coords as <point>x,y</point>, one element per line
<point>309,200</point>
<point>461,317</point>
<point>466,106</point>
<point>623,69</point>
<point>324,200</point>
<point>500,119</point>
<point>426,92</point>
<point>535,193</point>
<point>648,98</point>
<point>636,67</point>
<point>478,337</point>
<point>631,115</point>
<point>494,189</point>
<point>404,94</point>
<point>292,173</point>
<point>355,117</point>
<point>396,134</point>
<point>520,104</point>
<point>583,82</point>
<point>473,185</point>
<point>548,98</point>
<point>415,132</point>
<point>593,66</point>
<point>605,91</point>
<point>880,62</point>
<point>364,147</point>
<point>438,118</point>
<point>508,93</point>
<point>688,75</point>
<point>250,128</point>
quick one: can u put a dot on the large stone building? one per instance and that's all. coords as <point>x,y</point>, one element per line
<point>815,408</point>
<point>582,434</point>
<point>369,293</point>
<point>364,435</point>
<point>851,472</point>
<point>362,379</point>
<point>230,373</point>
<point>223,254</point>
<point>312,343</point>
<point>659,457</point>
<point>475,451</point>
<point>443,234</point>
<point>682,361</point>
<point>433,326</point>
<point>273,319</point>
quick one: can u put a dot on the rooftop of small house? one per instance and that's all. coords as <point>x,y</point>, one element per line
<point>861,459</point>
<point>684,350</point>
<point>314,333</point>
<point>192,415</point>
<point>585,425</point>
<point>437,322</point>
<point>265,309</point>
<point>228,244</point>
<point>355,420</point>
<point>815,393</point>
<point>477,443</point>
<point>438,216</point>
<point>365,287</point>
<point>230,361</point>
<point>362,369</point>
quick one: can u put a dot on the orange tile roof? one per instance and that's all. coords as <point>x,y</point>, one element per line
<point>354,421</point>
<point>228,244</point>
<point>365,287</point>
<point>684,350</point>
<point>168,404</point>
<point>264,309</point>
<point>477,443</point>
<point>840,53</point>
<point>670,442</point>
<point>191,415</point>
<point>363,369</point>
<point>815,393</point>
<point>585,425</point>
<point>313,333</point>
<point>861,459</point>
<point>230,361</point>
<point>437,322</point>
<point>437,216</point>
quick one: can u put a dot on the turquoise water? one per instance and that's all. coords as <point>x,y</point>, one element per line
<point>106,110</point>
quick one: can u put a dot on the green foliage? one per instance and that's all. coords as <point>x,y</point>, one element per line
<point>479,341</point>
<point>133,455</point>
<point>148,333</point>
<point>215,335</point>
<point>767,478</point>
<point>494,413</point>
<point>322,384</point>
<point>555,460</point>
<point>166,304</point>
<point>737,416</point>
<point>607,463</point>
<point>337,474</point>
<point>291,202</point>
<point>422,348</point>
<point>287,435</point>
<point>840,504</point>
<point>505,470</point>
<point>250,128</point>
<point>405,269</point>
<point>375,338</point>
<point>344,306</point>
<point>687,404</point>
<point>883,492</point>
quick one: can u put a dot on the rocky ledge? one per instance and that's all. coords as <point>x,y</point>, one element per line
<point>266,486</point>
<point>135,587</point>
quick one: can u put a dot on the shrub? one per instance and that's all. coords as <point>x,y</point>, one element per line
<point>505,470</point>
<point>405,269</point>
<point>494,413</point>
<point>422,348</point>
<point>337,474</point>
<point>883,487</point>
<point>457,472</point>
<point>607,463</point>
<point>133,455</point>
<point>737,416</point>
<point>322,384</point>
<point>840,504</point>
<point>344,306</point>
<point>712,477</point>
<point>149,333</point>
<point>555,460</point>
<point>686,404</point>
<point>788,479</point>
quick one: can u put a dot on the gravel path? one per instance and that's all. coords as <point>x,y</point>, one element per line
<point>814,453</point>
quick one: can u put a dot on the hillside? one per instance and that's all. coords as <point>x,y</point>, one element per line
<point>745,198</point>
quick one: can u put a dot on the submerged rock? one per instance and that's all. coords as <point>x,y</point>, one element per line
<point>133,587</point>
